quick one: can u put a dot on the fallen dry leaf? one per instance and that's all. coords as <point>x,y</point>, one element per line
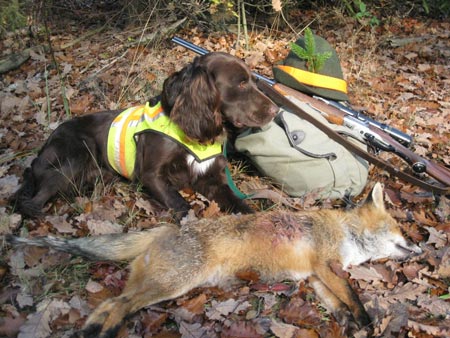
<point>219,310</point>
<point>9,326</point>
<point>97,227</point>
<point>93,287</point>
<point>196,305</point>
<point>241,329</point>
<point>282,330</point>
<point>404,86</point>
<point>298,312</point>
<point>60,223</point>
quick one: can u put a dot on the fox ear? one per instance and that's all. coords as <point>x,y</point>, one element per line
<point>378,196</point>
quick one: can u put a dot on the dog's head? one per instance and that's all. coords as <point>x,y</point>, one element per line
<point>213,89</point>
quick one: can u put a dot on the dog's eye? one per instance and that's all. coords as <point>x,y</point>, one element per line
<point>242,84</point>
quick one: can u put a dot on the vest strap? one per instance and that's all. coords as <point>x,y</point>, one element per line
<point>230,181</point>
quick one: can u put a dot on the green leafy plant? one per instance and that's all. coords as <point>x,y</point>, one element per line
<point>358,10</point>
<point>365,14</point>
<point>314,61</point>
<point>436,8</point>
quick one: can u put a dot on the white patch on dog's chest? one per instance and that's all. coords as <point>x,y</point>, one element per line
<point>199,168</point>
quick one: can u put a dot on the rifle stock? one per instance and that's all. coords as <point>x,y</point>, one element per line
<point>439,172</point>
<point>331,113</point>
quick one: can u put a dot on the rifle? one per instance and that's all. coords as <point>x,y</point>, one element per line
<point>378,135</point>
<point>403,138</point>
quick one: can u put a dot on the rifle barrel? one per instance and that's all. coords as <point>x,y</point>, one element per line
<point>189,45</point>
<point>201,51</point>
<point>403,138</point>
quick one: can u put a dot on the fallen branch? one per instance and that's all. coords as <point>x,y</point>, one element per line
<point>400,42</point>
<point>149,38</point>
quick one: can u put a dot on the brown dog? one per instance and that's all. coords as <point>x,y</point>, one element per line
<point>214,91</point>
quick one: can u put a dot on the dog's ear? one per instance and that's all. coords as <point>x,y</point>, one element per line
<point>172,87</point>
<point>192,100</point>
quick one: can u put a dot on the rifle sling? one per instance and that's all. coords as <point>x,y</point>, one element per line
<point>284,102</point>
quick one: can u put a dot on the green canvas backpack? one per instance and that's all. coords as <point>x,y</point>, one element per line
<point>295,154</point>
<point>302,159</point>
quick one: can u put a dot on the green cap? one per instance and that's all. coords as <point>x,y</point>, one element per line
<point>328,82</point>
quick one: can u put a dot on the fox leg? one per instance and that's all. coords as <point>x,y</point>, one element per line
<point>339,310</point>
<point>338,294</point>
<point>108,317</point>
<point>156,275</point>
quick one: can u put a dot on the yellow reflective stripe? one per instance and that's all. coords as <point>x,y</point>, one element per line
<point>152,112</point>
<point>121,138</point>
<point>114,142</point>
<point>121,123</point>
<point>200,151</point>
<point>314,79</point>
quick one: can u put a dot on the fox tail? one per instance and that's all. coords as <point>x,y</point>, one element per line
<point>112,247</point>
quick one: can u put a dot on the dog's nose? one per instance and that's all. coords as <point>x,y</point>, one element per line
<point>273,110</point>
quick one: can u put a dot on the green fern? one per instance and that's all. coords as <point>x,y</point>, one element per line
<point>314,61</point>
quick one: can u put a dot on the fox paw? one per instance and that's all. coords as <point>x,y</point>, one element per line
<point>343,317</point>
<point>95,331</point>
<point>88,332</point>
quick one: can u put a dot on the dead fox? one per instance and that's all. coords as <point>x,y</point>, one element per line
<point>168,261</point>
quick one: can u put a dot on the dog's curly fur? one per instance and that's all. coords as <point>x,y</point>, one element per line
<point>214,91</point>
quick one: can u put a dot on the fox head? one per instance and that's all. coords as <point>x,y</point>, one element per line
<point>377,234</point>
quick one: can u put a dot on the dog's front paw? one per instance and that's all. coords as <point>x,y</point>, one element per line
<point>179,215</point>
<point>243,208</point>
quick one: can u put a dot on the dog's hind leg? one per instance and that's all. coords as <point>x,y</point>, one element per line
<point>52,172</point>
<point>37,189</point>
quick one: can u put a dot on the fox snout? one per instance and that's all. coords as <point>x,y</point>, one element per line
<point>407,249</point>
<point>414,249</point>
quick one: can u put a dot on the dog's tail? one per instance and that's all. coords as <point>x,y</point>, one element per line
<point>112,247</point>
<point>22,199</point>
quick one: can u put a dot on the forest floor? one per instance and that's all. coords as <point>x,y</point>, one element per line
<point>399,71</point>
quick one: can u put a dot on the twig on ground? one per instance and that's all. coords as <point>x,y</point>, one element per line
<point>83,37</point>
